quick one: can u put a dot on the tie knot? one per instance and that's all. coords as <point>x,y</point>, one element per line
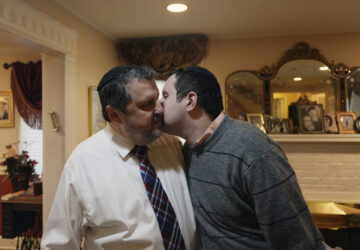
<point>139,151</point>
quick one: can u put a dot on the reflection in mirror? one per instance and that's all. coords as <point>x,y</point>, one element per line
<point>354,92</point>
<point>301,78</point>
<point>244,93</point>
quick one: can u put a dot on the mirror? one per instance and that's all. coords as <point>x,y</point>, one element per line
<point>245,93</point>
<point>300,78</point>
<point>301,71</point>
<point>353,100</point>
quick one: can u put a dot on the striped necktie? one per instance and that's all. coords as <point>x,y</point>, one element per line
<point>165,214</point>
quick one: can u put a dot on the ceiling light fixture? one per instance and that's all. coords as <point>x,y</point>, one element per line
<point>324,68</point>
<point>177,7</point>
<point>297,79</point>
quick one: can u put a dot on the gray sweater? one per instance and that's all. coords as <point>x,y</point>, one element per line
<point>245,194</point>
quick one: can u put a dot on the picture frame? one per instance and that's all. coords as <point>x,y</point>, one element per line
<point>256,119</point>
<point>311,118</point>
<point>346,121</point>
<point>96,119</point>
<point>280,126</point>
<point>242,116</point>
<point>6,110</point>
<point>357,125</point>
<point>330,122</point>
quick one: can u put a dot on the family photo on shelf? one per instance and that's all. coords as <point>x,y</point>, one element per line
<point>307,119</point>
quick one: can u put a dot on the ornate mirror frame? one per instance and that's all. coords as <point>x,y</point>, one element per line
<point>300,51</point>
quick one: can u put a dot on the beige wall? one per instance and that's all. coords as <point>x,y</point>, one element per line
<point>227,56</point>
<point>325,171</point>
<point>10,135</point>
<point>96,55</point>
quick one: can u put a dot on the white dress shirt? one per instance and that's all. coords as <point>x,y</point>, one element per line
<point>101,196</point>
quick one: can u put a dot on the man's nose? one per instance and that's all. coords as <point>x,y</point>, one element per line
<point>161,100</point>
<point>159,108</point>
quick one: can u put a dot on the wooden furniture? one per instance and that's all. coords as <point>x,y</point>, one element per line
<point>339,223</point>
<point>21,213</point>
<point>334,215</point>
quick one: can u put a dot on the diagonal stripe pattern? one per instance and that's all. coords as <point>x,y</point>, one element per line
<point>165,214</point>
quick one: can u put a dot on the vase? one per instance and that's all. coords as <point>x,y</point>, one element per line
<point>20,184</point>
<point>18,174</point>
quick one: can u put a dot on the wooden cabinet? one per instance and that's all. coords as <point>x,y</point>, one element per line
<point>20,214</point>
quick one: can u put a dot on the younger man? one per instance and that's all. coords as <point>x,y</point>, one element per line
<point>244,192</point>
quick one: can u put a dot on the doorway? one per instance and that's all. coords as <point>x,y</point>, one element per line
<point>25,26</point>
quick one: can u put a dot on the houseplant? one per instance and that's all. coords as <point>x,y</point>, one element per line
<point>19,168</point>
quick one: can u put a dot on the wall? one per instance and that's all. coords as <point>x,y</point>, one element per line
<point>96,55</point>
<point>325,171</point>
<point>227,56</point>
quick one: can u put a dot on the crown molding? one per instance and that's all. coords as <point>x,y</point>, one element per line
<point>22,19</point>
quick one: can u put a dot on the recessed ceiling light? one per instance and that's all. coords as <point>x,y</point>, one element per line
<point>324,68</point>
<point>297,79</point>
<point>177,7</point>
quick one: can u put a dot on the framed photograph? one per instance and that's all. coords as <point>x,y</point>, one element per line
<point>311,118</point>
<point>6,110</point>
<point>346,121</point>
<point>267,122</point>
<point>242,116</point>
<point>257,120</point>
<point>96,119</point>
<point>330,122</point>
<point>357,125</point>
<point>280,126</point>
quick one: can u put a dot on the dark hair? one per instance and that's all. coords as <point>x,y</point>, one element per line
<point>203,83</point>
<point>115,92</point>
<point>311,108</point>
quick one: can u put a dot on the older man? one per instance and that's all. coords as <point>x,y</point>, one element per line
<point>124,187</point>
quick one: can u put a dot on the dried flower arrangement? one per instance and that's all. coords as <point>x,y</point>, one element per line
<point>20,168</point>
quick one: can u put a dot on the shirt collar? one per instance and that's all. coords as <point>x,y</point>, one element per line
<point>123,146</point>
<point>213,126</point>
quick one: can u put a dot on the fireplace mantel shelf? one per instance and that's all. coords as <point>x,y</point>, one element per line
<point>316,138</point>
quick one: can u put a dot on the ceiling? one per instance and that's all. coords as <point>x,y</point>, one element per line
<point>225,19</point>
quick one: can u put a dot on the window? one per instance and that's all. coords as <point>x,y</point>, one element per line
<point>31,140</point>
<point>160,84</point>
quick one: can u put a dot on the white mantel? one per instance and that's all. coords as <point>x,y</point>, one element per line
<point>316,138</point>
<point>327,165</point>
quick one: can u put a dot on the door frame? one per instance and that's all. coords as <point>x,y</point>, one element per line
<point>28,27</point>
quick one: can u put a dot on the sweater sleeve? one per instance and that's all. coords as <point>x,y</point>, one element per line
<point>280,208</point>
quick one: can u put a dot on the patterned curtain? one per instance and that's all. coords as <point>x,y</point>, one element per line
<point>26,87</point>
<point>164,53</point>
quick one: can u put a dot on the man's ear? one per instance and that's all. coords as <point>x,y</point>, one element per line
<point>113,114</point>
<point>192,100</point>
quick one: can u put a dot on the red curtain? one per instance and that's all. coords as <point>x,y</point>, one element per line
<point>27,91</point>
